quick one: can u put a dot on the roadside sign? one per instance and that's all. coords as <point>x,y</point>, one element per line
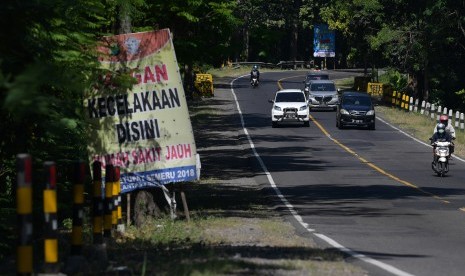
<point>324,41</point>
<point>145,131</point>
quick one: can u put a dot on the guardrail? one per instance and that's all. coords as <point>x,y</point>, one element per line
<point>110,219</point>
<point>281,64</point>
<point>409,104</point>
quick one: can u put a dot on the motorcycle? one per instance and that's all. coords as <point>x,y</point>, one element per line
<point>440,164</point>
<point>254,82</point>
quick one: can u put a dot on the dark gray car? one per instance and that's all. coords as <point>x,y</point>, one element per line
<point>355,109</point>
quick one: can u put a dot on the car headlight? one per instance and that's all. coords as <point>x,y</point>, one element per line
<point>334,99</point>
<point>302,108</point>
<point>344,112</point>
<point>312,99</point>
<point>277,108</point>
<point>371,112</point>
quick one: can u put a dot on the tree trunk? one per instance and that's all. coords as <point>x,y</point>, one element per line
<point>294,38</point>
<point>295,30</point>
<point>144,205</point>
<point>125,22</point>
<point>245,54</point>
<point>426,85</point>
<point>145,208</point>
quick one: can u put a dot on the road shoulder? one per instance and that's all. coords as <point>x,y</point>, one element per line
<point>246,223</point>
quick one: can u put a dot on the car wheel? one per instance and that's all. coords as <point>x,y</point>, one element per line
<point>274,124</point>
<point>306,124</point>
<point>340,125</point>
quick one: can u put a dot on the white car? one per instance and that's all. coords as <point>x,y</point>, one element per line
<point>322,94</point>
<point>289,105</point>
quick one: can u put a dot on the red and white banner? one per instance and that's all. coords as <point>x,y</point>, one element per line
<point>145,131</point>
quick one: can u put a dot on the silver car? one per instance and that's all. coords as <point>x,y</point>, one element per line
<point>322,94</point>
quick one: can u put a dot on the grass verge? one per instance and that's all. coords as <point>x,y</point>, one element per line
<point>233,230</point>
<point>417,125</point>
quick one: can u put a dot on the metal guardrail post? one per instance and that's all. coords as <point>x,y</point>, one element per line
<point>97,203</point>
<point>457,118</point>
<point>423,106</point>
<point>78,208</point>
<point>50,216</point>
<point>114,198</point>
<point>462,122</point>
<point>108,213</point>
<point>119,211</point>
<point>432,111</point>
<point>24,252</point>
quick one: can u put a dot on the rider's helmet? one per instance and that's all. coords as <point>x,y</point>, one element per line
<point>441,128</point>
<point>444,119</point>
<point>255,68</point>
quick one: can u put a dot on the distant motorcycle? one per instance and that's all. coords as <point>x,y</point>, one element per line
<point>440,164</point>
<point>254,82</point>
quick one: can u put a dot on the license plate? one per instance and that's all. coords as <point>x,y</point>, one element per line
<point>358,121</point>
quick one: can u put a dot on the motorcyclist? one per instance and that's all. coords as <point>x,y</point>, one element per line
<point>444,119</point>
<point>441,135</point>
<point>254,73</point>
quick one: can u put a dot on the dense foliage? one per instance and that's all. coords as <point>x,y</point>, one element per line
<point>47,58</point>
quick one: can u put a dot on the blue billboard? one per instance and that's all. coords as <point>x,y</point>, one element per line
<point>324,41</point>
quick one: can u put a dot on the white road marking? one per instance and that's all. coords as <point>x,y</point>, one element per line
<point>416,139</point>
<point>391,269</point>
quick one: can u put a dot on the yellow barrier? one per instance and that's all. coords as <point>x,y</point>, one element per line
<point>406,102</point>
<point>361,83</point>
<point>400,100</point>
<point>394,95</point>
<point>204,84</point>
<point>375,88</point>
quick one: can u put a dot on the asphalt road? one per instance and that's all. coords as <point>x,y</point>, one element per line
<point>370,192</point>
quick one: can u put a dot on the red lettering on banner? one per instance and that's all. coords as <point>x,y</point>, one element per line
<point>148,76</point>
<point>152,74</point>
<point>161,72</point>
<point>120,159</point>
<point>146,156</point>
<point>180,151</point>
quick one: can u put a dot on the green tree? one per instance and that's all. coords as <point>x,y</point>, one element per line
<point>356,20</point>
<point>202,30</point>
<point>46,62</point>
<point>423,39</point>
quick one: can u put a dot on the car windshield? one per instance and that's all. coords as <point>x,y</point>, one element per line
<point>317,77</point>
<point>322,87</point>
<point>290,97</point>
<point>354,100</point>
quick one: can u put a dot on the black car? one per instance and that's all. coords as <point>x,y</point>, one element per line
<point>314,76</point>
<point>355,109</point>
